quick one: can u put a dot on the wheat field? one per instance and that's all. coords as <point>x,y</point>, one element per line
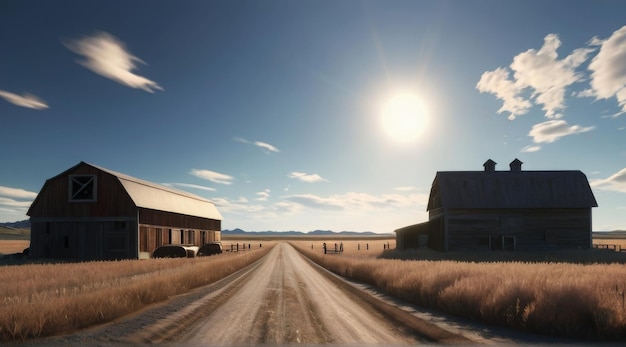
<point>581,301</point>
<point>47,299</point>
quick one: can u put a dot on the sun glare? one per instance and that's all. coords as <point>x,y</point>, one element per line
<point>404,117</point>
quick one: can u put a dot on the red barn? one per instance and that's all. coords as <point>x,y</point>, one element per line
<point>91,213</point>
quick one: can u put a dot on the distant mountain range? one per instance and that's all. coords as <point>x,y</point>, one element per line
<point>23,224</point>
<point>297,233</point>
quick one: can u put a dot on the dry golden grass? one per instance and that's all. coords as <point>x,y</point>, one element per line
<point>46,299</point>
<point>569,300</point>
<point>13,246</point>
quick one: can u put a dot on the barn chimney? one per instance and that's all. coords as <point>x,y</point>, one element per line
<point>516,165</point>
<point>490,166</point>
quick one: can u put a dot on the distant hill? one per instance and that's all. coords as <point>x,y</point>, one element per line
<point>23,224</point>
<point>238,231</point>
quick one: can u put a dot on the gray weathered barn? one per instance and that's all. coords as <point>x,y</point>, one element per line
<point>510,210</point>
<point>92,213</point>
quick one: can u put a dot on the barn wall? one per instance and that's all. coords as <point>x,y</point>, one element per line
<point>174,220</point>
<point>112,199</point>
<point>151,237</point>
<point>83,239</point>
<point>533,229</point>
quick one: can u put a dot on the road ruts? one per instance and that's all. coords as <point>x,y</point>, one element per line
<point>287,301</point>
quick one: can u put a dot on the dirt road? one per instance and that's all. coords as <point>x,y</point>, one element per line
<point>286,300</point>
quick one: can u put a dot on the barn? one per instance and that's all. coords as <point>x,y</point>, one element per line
<point>504,210</point>
<point>92,213</point>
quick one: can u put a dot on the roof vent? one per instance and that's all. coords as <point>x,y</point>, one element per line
<point>490,166</point>
<point>516,165</point>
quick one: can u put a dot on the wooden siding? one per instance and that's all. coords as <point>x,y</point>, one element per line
<point>84,240</point>
<point>533,229</point>
<point>112,199</point>
<point>151,237</point>
<point>174,220</point>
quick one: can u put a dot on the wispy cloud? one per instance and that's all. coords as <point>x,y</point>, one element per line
<point>192,186</point>
<point>241,205</point>
<point>267,148</point>
<point>541,73</point>
<point>17,193</point>
<point>608,68</point>
<point>107,56</point>
<point>552,130</point>
<point>15,201</point>
<point>305,177</point>
<point>404,189</point>
<point>358,201</point>
<point>616,182</point>
<point>263,196</point>
<point>530,149</point>
<point>213,176</point>
<point>25,100</point>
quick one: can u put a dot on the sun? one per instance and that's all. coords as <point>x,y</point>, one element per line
<point>404,117</point>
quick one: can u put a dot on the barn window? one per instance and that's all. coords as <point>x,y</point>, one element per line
<point>82,188</point>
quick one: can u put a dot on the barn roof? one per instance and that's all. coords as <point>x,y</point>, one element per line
<point>161,198</point>
<point>511,189</point>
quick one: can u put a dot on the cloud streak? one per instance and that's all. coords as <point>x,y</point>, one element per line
<point>108,57</point>
<point>267,148</point>
<point>358,201</point>
<point>608,68</point>
<point>25,100</point>
<point>192,186</point>
<point>615,182</point>
<point>305,177</point>
<point>15,201</point>
<point>212,176</point>
<point>552,130</point>
<point>17,193</point>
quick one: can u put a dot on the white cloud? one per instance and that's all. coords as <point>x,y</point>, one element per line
<point>540,72</point>
<point>192,186</point>
<point>552,130</point>
<point>25,100</point>
<point>263,145</point>
<point>17,193</point>
<point>530,148</point>
<point>264,195</point>
<point>304,177</point>
<point>404,189</point>
<point>497,82</point>
<point>14,202</point>
<point>212,176</point>
<point>266,146</point>
<point>107,56</point>
<point>608,68</point>
<point>241,205</point>
<point>359,201</point>
<point>616,182</point>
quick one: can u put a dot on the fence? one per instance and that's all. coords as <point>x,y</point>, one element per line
<point>610,246</point>
<point>240,247</point>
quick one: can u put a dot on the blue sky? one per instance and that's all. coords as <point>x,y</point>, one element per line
<point>278,110</point>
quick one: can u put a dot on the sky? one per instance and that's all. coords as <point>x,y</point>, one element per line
<point>312,114</point>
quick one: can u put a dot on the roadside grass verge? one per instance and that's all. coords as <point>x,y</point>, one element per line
<point>575,300</point>
<point>50,299</point>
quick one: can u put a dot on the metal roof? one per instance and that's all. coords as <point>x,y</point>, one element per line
<point>511,189</point>
<point>161,198</point>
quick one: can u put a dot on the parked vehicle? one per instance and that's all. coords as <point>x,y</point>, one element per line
<point>210,248</point>
<point>175,251</point>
